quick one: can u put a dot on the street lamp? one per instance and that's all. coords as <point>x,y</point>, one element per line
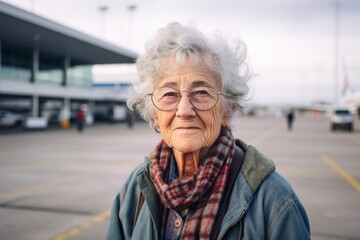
<point>131,9</point>
<point>336,50</point>
<point>103,10</point>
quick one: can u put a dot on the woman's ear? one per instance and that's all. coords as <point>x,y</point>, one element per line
<point>226,118</point>
<point>227,115</point>
<point>155,118</point>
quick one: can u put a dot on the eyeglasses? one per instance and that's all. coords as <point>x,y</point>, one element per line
<point>201,98</point>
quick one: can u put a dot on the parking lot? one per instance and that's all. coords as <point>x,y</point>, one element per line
<point>60,184</point>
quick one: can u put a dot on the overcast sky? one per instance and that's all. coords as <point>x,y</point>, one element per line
<point>290,42</point>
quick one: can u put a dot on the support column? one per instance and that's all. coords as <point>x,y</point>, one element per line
<point>35,65</point>
<point>0,59</point>
<point>35,106</point>
<point>90,112</point>
<point>35,69</point>
<point>65,70</point>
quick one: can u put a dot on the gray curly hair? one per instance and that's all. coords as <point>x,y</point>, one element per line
<point>182,43</point>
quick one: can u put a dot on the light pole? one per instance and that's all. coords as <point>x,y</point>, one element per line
<point>336,51</point>
<point>103,9</point>
<point>131,9</point>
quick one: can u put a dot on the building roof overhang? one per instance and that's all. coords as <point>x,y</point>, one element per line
<point>30,30</point>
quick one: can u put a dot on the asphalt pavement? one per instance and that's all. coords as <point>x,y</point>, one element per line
<point>60,184</point>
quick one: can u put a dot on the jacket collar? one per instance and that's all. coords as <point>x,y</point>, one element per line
<point>256,166</point>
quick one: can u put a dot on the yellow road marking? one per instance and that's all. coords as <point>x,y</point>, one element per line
<point>39,186</point>
<point>264,135</point>
<point>342,172</point>
<point>34,164</point>
<point>43,185</point>
<point>77,230</point>
<point>42,163</point>
<point>101,217</point>
<point>57,181</point>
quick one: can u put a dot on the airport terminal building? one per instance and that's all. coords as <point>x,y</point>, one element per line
<point>45,69</point>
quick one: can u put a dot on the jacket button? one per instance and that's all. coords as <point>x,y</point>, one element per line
<point>177,223</point>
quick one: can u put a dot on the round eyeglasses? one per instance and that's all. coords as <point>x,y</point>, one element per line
<point>201,98</point>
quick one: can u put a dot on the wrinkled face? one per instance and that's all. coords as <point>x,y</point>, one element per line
<point>185,128</point>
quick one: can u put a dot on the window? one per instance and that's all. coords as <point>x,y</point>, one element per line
<point>50,69</point>
<point>79,75</point>
<point>16,61</point>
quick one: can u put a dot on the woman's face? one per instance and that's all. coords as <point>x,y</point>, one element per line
<point>185,128</point>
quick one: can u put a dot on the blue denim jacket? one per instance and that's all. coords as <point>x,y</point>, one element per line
<point>261,198</point>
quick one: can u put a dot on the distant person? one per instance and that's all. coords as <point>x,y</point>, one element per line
<point>80,119</point>
<point>290,119</point>
<point>200,182</point>
<point>130,118</point>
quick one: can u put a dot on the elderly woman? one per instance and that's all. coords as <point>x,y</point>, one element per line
<point>190,186</point>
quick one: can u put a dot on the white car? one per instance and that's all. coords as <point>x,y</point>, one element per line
<point>341,118</point>
<point>10,119</point>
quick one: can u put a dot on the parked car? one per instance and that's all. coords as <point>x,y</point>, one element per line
<point>10,119</point>
<point>341,118</point>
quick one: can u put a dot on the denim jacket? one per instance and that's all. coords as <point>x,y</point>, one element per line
<point>261,198</point>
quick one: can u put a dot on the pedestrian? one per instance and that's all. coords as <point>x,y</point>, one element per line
<point>200,182</point>
<point>80,119</point>
<point>290,119</point>
<point>130,118</point>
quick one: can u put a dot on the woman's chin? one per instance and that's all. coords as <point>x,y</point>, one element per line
<point>187,146</point>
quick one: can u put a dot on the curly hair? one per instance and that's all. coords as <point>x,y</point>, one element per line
<point>182,43</point>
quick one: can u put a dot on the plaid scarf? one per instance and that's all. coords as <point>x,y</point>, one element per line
<point>199,195</point>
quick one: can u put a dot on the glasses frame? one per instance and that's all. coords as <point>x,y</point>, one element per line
<point>189,92</point>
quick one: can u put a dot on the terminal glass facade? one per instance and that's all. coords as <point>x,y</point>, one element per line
<point>16,61</point>
<point>51,69</point>
<point>79,75</point>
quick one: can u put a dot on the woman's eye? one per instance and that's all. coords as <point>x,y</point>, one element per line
<point>201,93</point>
<point>170,94</point>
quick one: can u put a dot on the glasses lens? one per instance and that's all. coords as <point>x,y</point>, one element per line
<point>165,98</point>
<point>204,98</point>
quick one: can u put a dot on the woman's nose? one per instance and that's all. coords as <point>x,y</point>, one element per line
<point>185,109</point>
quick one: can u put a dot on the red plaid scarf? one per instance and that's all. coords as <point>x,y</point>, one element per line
<point>201,194</point>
